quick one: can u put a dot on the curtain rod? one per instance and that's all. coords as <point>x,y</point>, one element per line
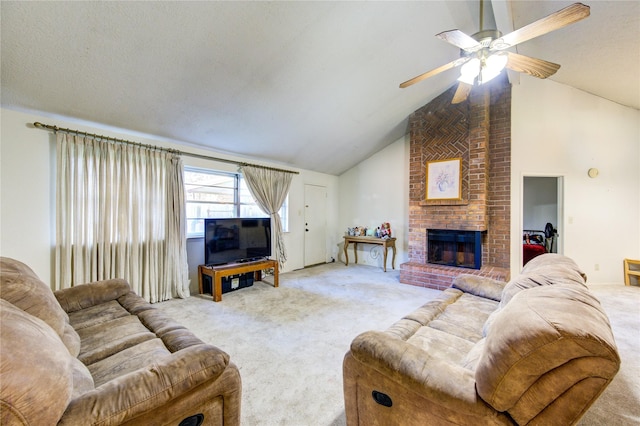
<point>173,151</point>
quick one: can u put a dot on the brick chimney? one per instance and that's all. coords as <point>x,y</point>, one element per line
<point>479,132</point>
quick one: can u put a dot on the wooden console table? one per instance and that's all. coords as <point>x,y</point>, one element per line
<point>218,272</point>
<point>384,242</point>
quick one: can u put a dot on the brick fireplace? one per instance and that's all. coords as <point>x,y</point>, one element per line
<point>479,132</point>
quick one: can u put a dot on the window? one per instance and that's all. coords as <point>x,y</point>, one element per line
<point>211,193</point>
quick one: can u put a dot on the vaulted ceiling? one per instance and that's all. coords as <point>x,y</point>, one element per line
<point>310,85</point>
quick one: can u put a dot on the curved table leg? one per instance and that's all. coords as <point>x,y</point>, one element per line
<point>384,262</point>
<point>393,259</point>
<point>346,254</point>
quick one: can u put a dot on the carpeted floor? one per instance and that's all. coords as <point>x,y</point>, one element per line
<point>288,342</point>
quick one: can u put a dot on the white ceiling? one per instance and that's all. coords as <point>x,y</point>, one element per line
<point>310,85</point>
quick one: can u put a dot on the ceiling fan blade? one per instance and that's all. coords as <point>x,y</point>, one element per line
<point>435,71</point>
<point>555,21</point>
<point>532,66</point>
<point>462,93</point>
<point>460,39</point>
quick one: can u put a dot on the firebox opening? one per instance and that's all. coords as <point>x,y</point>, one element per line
<point>454,248</point>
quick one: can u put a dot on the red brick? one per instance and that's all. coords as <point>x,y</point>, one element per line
<point>480,134</point>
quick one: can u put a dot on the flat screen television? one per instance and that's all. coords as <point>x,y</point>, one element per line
<point>232,240</point>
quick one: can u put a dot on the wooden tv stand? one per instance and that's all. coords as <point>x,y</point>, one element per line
<point>218,272</point>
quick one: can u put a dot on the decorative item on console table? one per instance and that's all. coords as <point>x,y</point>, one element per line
<point>358,231</point>
<point>385,230</point>
<point>382,231</point>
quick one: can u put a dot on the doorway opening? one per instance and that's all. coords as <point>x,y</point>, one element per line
<point>542,216</point>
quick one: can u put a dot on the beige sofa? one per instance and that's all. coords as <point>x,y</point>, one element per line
<point>537,351</point>
<point>97,354</point>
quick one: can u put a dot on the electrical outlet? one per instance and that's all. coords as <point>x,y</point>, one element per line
<point>596,267</point>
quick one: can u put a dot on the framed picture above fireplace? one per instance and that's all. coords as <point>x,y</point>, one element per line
<point>444,181</point>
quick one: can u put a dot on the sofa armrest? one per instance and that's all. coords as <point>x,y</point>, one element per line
<point>152,388</point>
<point>446,384</point>
<point>479,286</point>
<point>86,295</point>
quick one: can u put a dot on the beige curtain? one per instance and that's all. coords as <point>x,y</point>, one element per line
<point>120,213</point>
<point>270,188</point>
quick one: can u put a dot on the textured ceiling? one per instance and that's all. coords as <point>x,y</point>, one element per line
<point>311,85</point>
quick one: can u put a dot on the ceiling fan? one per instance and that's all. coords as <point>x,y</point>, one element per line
<point>484,55</point>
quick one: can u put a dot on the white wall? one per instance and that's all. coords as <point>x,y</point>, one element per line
<point>376,191</point>
<point>561,131</point>
<point>27,192</point>
<point>27,216</point>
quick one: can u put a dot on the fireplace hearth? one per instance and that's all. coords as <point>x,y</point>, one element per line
<point>457,248</point>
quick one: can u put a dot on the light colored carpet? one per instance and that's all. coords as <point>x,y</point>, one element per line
<point>289,342</point>
<point>619,404</point>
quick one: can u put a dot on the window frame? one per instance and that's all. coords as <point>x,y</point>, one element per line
<point>238,204</point>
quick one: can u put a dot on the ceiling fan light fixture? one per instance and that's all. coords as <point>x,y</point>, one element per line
<point>469,71</point>
<point>492,67</point>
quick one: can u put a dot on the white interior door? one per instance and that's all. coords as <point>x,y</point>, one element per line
<point>315,225</point>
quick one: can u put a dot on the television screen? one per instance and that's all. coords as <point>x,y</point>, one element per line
<point>236,239</point>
